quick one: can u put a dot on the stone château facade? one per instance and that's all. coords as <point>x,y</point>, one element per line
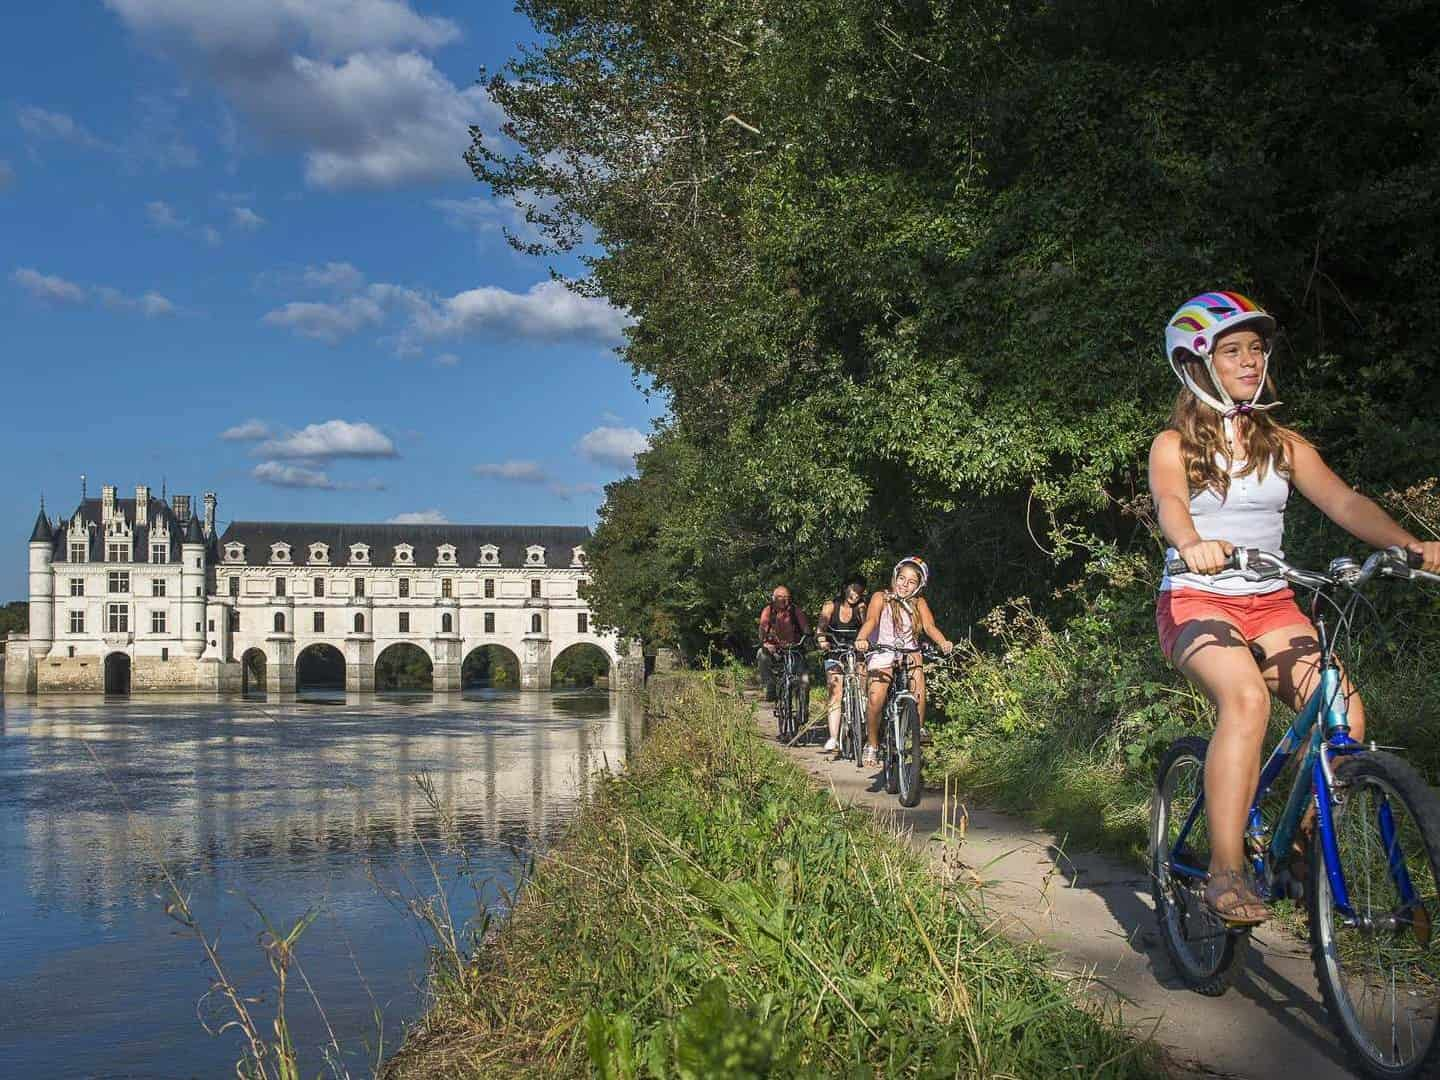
<point>142,594</point>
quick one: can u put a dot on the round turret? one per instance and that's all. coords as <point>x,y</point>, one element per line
<point>42,586</point>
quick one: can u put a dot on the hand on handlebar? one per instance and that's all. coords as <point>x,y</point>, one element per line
<point>1429,552</point>
<point>1207,556</point>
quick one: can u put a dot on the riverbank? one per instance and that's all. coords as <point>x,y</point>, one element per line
<point>712,913</point>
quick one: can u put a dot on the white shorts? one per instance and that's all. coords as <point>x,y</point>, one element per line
<point>881,659</point>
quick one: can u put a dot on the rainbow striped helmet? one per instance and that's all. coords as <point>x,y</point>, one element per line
<point>1191,335</point>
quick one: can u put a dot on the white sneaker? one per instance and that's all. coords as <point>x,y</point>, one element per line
<point>831,746</point>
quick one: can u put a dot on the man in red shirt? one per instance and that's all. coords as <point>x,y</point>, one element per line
<point>781,624</point>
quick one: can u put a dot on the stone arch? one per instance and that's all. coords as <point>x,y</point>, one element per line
<point>490,664</point>
<point>320,666</point>
<point>404,665</point>
<point>117,673</point>
<point>582,664</point>
<point>253,664</point>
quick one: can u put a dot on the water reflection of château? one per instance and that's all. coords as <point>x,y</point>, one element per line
<point>252,789</point>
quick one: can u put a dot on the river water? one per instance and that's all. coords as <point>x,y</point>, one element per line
<point>260,811</point>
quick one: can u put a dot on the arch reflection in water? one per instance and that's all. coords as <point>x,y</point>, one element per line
<point>285,807</point>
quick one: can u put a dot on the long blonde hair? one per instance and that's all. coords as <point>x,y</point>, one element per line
<point>1203,444</point>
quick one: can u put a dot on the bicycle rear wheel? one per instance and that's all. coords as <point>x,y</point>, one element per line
<point>907,754</point>
<point>1379,969</point>
<point>1202,948</point>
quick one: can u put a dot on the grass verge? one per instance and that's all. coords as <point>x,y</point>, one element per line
<point>712,914</point>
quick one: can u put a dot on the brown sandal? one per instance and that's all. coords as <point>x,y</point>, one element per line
<point>1229,896</point>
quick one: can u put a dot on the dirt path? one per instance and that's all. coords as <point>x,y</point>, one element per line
<point>1096,912</point>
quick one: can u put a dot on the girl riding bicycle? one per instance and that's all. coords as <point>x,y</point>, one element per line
<point>840,622</point>
<point>1220,475</point>
<point>894,619</point>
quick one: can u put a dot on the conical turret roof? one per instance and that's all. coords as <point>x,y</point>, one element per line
<point>193,535</point>
<point>42,533</point>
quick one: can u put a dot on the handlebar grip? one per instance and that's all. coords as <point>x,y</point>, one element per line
<point>1239,559</point>
<point>1415,560</point>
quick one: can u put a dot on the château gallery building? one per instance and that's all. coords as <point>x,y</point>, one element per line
<point>142,595</point>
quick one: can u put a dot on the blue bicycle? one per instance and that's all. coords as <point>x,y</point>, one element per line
<point>1372,889</point>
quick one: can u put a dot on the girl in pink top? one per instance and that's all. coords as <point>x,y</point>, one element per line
<point>894,619</point>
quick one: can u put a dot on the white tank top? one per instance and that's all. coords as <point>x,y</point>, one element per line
<point>1252,515</point>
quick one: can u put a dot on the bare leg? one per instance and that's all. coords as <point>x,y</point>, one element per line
<point>1292,671</point>
<point>917,683</point>
<point>1214,656</point>
<point>837,687</point>
<point>879,688</point>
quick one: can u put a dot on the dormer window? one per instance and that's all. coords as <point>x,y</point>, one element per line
<point>234,552</point>
<point>577,556</point>
<point>404,554</point>
<point>360,553</point>
<point>280,552</point>
<point>534,555</point>
<point>319,553</point>
<point>445,554</point>
<point>489,555</point>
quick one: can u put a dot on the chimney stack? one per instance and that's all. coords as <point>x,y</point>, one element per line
<point>210,503</point>
<point>181,505</point>
<point>142,504</point>
<point>107,503</point>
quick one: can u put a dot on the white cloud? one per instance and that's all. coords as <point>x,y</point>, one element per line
<point>7,174</point>
<point>331,439</point>
<point>522,472</point>
<point>448,359</point>
<point>162,215</point>
<point>242,217</point>
<point>569,491</point>
<point>57,290</point>
<point>48,287</point>
<point>615,446</point>
<point>278,474</point>
<point>211,235</point>
<point>420,517</point>
<point>327,322</point>
<point>547,312</point>
<point>341,276</point>
<point>50,124</point>
<point>248,431</point>
<point>347,81</point>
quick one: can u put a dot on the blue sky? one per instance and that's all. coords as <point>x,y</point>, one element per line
<point>239,252</point>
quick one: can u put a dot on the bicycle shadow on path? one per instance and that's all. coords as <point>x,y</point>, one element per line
<point>1095,913</point>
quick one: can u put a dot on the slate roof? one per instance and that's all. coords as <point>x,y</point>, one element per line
<point>92,511</point>
<point>512,540</point>
<point>42,533</point>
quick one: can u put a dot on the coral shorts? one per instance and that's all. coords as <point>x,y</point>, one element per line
<point>1251,616</point>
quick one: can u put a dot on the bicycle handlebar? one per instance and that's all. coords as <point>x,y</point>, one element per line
<point>1253,564</point>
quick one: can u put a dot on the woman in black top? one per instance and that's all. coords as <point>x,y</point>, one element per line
<point>840,621</point>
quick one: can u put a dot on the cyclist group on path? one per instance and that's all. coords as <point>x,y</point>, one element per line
<point>1220,474</point>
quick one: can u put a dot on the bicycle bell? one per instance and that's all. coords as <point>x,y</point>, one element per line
<point>1344,569</point>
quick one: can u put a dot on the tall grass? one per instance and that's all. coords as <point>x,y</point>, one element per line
<point>712,914</point>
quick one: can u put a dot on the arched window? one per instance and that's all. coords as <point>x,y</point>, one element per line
<point>279,622</point>
<point>447,623</point>
<point>535,623</point>
<point>359,622</point>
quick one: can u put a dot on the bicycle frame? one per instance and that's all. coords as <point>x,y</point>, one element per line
<point>1323,724</point>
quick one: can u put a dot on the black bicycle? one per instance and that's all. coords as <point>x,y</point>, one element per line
<point>900,753</point>
<point>852,701</point>
<point>792,699</point>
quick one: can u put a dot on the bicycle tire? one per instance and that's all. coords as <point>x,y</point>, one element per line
<point>1408,939</point>
<point>784,727</point>
<point>858,734</point>
<point>908,764</point>
<point>888,760</point>
<point>1204,952</point>
<point>799,706</point>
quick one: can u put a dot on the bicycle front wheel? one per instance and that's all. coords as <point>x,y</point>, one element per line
<point>799,706</point>
<point>888,760</point>
<point>784,718</point>
<point>1203,950</point>
<point>855,718</point>
<point>1379,966</point>
<point>907,754</point>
